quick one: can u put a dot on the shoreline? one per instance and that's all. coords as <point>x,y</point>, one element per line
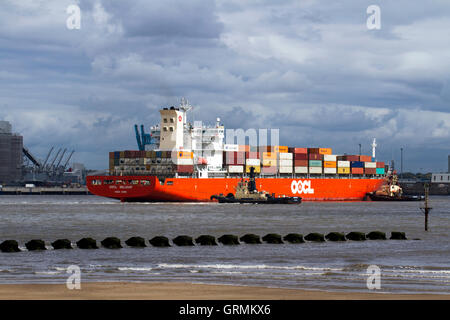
<point>187,291</point>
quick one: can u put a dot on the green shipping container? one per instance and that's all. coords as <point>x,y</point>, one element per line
<point>315,163</point>
<point>380,170</point>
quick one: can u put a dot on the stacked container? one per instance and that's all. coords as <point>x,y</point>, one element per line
<point>252,160</point>
<point>300,156</point>
<point>343,167</point>
<point>329,164</point>
<point>380,168</point>
<point>285,162</point>
<point>315,161</point>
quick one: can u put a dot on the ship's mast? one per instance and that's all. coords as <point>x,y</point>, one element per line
<point>374,147</point>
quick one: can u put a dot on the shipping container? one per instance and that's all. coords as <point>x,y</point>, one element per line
<point>350,158</point>
<point>315,163</point>
<point>313,151</point>
<point>380,171</point>
<point>357,164</point>
<point>380,165</point>
<point>315,170</point>
<point>286,163</point>
<point>231,147</point>
<point>269,155</point>
<point>185,169</point>
<point>244,148</point>
<point>269,170</point>
<point>343,164</point>
<point>253,162</point>
<point>257,168</point>
<point>370,165</point>
<point>329,170</point>
<point>365,158</point>
<point>252,155</point>
<point>183,162</point>
<point>359,170</point>
<point>269,162</point>
<point>325,151</point>
<point>315,156</point>
<point>287,169</point>
<point>281,149</point>
<point>329,164</point>
<point>343,170</point>
<point>301,156</point>
<point>301,169</point>
<point>236,169</point>
<point>329,157</point>
<point>301,163</point>
<point>285,156</point>
<point>370,170</point>
<point>299,150</point>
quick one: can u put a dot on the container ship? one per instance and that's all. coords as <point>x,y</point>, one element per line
<point>184,162</point>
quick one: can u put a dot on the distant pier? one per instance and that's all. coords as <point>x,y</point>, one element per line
<point>44,191</point>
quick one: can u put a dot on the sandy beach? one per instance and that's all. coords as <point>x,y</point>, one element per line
<point>185,291</point>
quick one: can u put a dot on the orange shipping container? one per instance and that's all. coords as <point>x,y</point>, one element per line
<point>244,148</point>
<point>185,155</point>
<point>357,170</point>
<point>365,158</point>
<point>329,164</point>
<point>281,149</point>
<point>325,150</point>
<point>269,155</point>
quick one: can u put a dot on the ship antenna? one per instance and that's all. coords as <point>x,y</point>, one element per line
<point>374,147</point>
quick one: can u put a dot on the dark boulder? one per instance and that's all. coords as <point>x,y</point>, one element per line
<point>251,238</point>
<point>183,241</point>
<point>206,240</point>
<point>137,242</point>
<point>35,244</point>
<point>9,246</point>
<point>356,236</point>
<point>335,236</point>
<point>294,238</point>
<point>376,235</point>
<point>315,237</point>
<point>229,239</point>
<point>160,241</point>
<point>62,244</point>
<point>111,243</point>
<point>396,235</point>
<point>87,243</point>
<point>272,238</point>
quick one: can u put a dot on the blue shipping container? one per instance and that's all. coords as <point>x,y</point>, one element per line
<point>357,164</point>
<point>116,154</point>
<point>380,170</point>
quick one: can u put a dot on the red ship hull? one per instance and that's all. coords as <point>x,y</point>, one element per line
<point>150,189</point>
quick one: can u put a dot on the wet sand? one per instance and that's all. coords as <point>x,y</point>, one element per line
<point>185,291</point>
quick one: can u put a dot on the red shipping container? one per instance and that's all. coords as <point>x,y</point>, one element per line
<point>185,168</point>
<point>111,155</point>
<point>357,170</point>
<point>351,158</point>
<point>269,170</point>
<point>371,171</point>
<point>313,150</point>
<point>252,155</point>
<point>300,156</point>
<point>315,156</point>
<point>301,163</point>
<point>380,164</point>
<point>365,158</point>
<point>300,150</point>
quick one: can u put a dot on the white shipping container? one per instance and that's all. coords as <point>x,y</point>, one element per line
<point>285,156</point>
<point>231,147</point>
<point>370,164</point>
<point>329,157</point>
<point>236,169</point>
<point>286,163</point>
<point>184,162</point>
<point>285,169</point>
<point>329,170</point>
<point>253,162</point>
<point>301,169</point>
<point>315,170</point>
<point>343,164</point>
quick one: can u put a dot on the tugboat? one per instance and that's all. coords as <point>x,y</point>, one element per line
<point>391,191</point>
<point>246,192</point>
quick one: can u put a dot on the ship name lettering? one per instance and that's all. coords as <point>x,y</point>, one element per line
<point>301,187</point>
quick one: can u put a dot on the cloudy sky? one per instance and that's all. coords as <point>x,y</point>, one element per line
<point>310,68</point>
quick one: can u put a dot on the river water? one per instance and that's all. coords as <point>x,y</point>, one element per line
<point>411,266</point>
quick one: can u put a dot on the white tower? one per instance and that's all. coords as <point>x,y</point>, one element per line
<point>374,147</point>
